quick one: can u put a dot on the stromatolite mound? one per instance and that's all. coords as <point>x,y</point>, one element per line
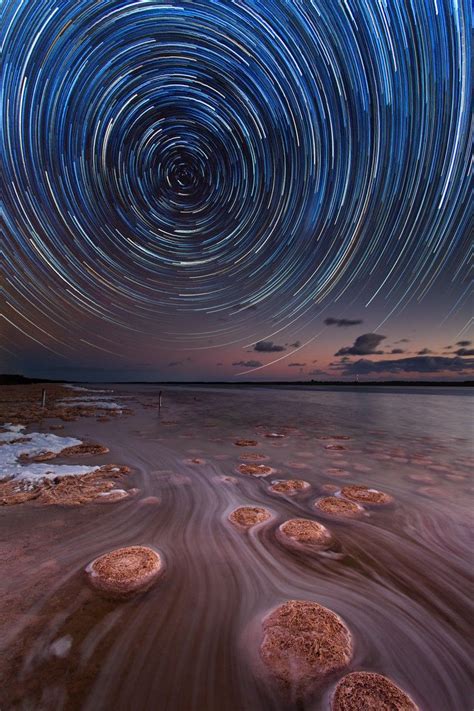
<point>289,486</point>
<point>255,469</point>
<point>246,443</point>
<point>248,516</point>
<point>83,450</point>
<point>125,571</point>
<point>371,692</point>
<point>252,457</point>
<point>305,532</point>
<point>366,495</point>
<point>303,642</point>
<point>335,506</point>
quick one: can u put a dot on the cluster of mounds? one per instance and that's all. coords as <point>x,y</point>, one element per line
<point>255,469</point>
<point>303,643</point>
<point>248,516</point>
<point>98,486</point>
<point>349,503</point>
<point>289,487</point>
<point>125,572</point>
<point>22,404</point>
<point>370,692</point>
<point>305,532</point>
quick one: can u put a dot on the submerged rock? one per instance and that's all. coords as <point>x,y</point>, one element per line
<point>303,642</point>
<point>371,692</point>
<point>126,571</point>
<point>248,516</point>
<point>252,457</point>
<point>246,443</point>
<point>336,506</point>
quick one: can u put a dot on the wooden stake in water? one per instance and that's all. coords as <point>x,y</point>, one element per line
<point>43,398</point>
<point>159,400</point>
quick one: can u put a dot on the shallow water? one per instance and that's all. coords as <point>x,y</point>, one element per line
<point>399,577</point>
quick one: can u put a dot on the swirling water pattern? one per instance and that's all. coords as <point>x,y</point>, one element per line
<point>399,577</point>
<point>188,158</point>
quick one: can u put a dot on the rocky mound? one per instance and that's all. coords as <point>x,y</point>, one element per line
<point>336,506</point>
<point>306,532</point>
<point>255,469</point>
<point>303,642</point>
<point>248,516</point>
<point>125,571</point>
<point>290,486</point>
<point>366,495</point>
<point>371,692</point>
<point>246,443</point>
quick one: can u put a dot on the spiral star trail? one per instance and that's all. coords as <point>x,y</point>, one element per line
<point>202,174</point>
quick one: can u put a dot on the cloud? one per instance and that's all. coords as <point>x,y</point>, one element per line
<point>397,350</point>
<point>465,352</point>
<point>403,340</point>
<point>296,365</point>
<point>463,344</point>
<point>342,322</point>
<point>296,344</point>
<point>416,364</point>
<point>218,364</point>
<point>175,363</point>
<point>268,347</point>
<point>248,363</point>
<point>363,345</point>
<point>424,351</point>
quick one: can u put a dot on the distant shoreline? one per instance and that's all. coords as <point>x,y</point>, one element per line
<point>15,379</point>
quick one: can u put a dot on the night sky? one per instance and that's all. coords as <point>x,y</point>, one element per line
<point>219,190</point>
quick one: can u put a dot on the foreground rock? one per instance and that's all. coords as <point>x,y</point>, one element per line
<point>305,532</point>
<point>371,692</point>
<point>125,572</point>
<point>248,516</point>
<point>303,642</point>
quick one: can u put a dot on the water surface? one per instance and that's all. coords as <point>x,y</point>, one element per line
<point>400,577</point>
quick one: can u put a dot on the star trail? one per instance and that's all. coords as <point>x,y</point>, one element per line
<point>206,174</point>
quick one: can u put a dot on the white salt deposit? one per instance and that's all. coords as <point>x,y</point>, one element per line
<point>87,390</point>
<point>60,647</point>
<point>86,402</point>
<point>38,443</point>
